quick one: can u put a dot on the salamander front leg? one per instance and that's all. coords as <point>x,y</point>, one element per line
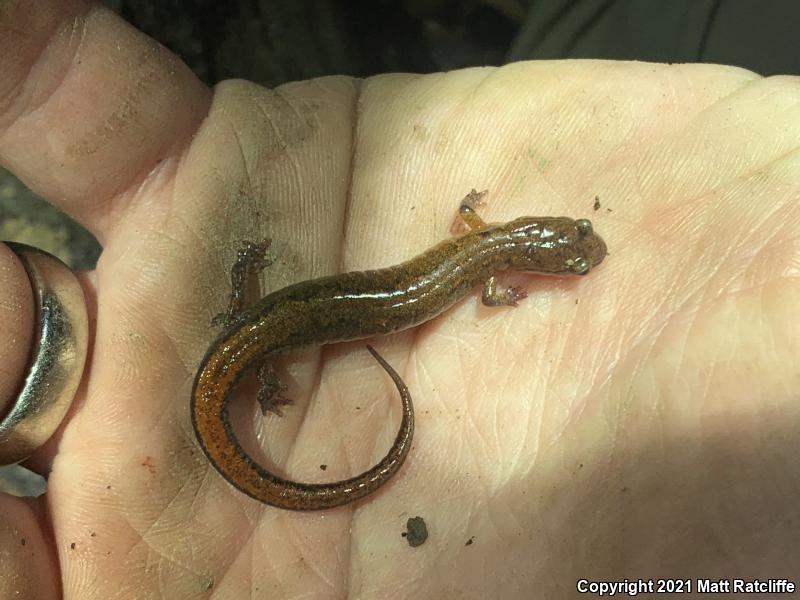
<point>251,259</point>
<point>270,390</point>
<point>467,214</point>
<point>508,297</point>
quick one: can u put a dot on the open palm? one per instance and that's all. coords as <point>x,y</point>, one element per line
<point>639,422</point>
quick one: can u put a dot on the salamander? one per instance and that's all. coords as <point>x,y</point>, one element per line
<point>357,305</point>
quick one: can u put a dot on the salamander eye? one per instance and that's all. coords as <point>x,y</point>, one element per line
<point>579,266</point>
<point>584,227</point>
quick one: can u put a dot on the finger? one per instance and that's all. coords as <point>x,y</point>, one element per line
<point>16,334</point>
<point>20,325</point>
<point>41,460</point>
<point>89,106</point>
<point>27,564</point>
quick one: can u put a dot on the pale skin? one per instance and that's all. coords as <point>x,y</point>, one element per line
<point>637,422</point>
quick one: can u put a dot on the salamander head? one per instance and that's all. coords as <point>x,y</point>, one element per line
<point>555,245</point>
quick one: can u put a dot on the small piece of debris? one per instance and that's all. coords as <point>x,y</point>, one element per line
<point>470,541</point>
<point>597,203</point>
<point>149,464</point>
<point>323,467</point>
<point>416,531</point>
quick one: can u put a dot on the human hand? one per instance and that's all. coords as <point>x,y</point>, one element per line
<point>633,423</point>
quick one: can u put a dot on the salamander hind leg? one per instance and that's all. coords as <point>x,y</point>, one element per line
<point>506,297</point>
<point>270,390</point>
<point>251,259</point>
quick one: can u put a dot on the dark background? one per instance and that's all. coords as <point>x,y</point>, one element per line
<point>275,41</point>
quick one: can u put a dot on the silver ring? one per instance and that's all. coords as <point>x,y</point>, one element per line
<point>57,358</point>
